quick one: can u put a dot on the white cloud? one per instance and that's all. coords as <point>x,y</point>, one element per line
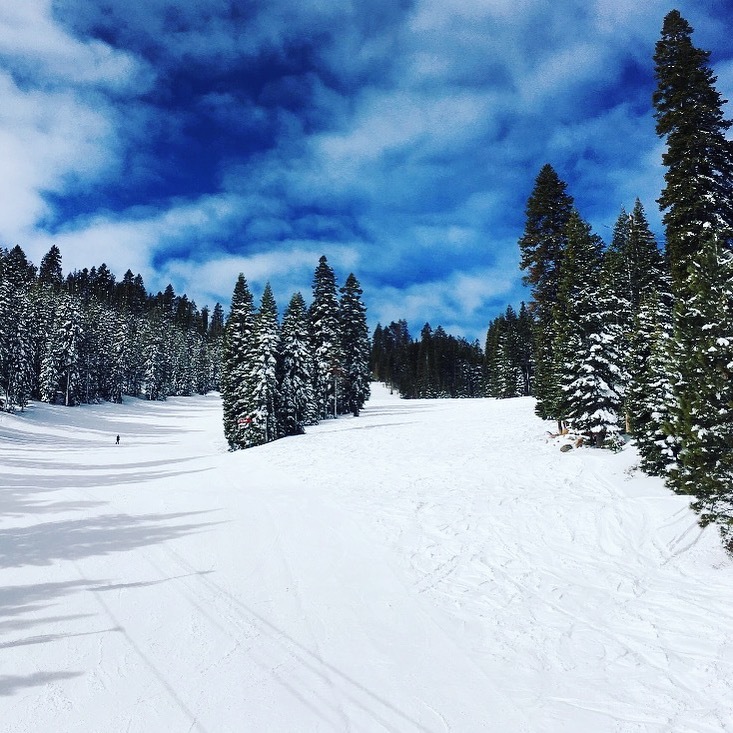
<point>132,241</point>
<point>46,138</point>
<point>411,137</point>
<point>459,301</point>
<point>32,41</point>
<point>288,266</point>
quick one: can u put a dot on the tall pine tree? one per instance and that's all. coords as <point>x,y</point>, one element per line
<point>263,427</point>
<point>237,357</point>
<point>325,325</point>
<point>698,195</point>
<point>297,405</point>
<point>702,415</point>
<point>355,347</point>
<point>542,247</point>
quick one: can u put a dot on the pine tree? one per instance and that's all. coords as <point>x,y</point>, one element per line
<point>650,394</point>
<point>297,404</point>
<point>389,354</point>
<point>264,373</point>
<point>119,359</point>
<point>214,339</point>
<point>426,368</point>
<point>702,415</point>
<point>542,246</point>
<point>378,357</point>
<point>155,349</point>
<point>585,365</point>
<point>326,334</point>
<point>355,347</point>
<point>698,195</point>
<point>50,272</point>
<point>17,356</point>
<point>237,357</point>
<point>596,380</point>
<point>505,377</point>
<point>66,345</point>
<point>633,264</point>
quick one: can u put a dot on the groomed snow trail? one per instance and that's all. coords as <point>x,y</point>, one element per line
<point>430,566</point>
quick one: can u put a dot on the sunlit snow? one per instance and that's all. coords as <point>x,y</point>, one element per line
<point>429,566</point>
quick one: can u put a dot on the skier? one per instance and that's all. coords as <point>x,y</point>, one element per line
<point>118,440</point>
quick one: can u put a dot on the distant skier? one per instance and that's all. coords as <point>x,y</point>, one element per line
<point>117,442</point>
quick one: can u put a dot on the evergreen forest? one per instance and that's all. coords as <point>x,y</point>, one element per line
<point>279,378</point>
<point>89,337</point>
<point>626,338</point>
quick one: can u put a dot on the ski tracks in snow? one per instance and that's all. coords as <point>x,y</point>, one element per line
<point>557,575</point>
<point>432,566</point>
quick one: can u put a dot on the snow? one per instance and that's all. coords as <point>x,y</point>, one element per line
<point>429,566</point>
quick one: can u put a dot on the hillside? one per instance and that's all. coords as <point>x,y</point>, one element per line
<point>429,566</point>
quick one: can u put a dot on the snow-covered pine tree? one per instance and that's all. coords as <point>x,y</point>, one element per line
<point>23,360</point>
<point>702,414</point>
<point>297,404</point>
<point>214,342</point>
<point>596,394</point>
<point>95,350</point>
<point>264,373</point>
<point>67,341</point>
<point>503,369</point>
<point>650,396</point>
<point>155,354</point>
<point>587,359</point>
<point>525,348</point>
<point>50,273</point>
<point>355,347</point>
<point>326,338</point>
<point>131,330</point>
<point>17,357</point>
<point>633,264</point>
<point>237,357</point>
<point>119,359</point>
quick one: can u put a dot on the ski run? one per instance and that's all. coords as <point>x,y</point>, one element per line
<point>431,566</point>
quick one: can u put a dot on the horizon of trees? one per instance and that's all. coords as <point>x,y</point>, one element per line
<point>89,337</point>
<point>279,378</point>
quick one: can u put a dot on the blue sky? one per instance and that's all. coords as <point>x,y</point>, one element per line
<point>195,139</point>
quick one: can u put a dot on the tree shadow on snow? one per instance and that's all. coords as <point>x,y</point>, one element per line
<point>74,539</point>
<point>10,684</point>
<point>23,493</point>
<point>89,479</point>
<point>21,608</point>
<point>46,638</point>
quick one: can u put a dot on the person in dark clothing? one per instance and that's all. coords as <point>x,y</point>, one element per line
<point>118,440</point>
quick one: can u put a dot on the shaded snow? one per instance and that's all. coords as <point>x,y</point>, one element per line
<point>429,566</point>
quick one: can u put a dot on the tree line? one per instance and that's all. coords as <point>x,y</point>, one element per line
<point>621,338</point>
<point>433,366</point>
<point>89,337</point>
<point>279,378</point>
<point>627,339</point>
<point>438,364</point>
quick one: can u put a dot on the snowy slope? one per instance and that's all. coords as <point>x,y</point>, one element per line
<point>430,566</point>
